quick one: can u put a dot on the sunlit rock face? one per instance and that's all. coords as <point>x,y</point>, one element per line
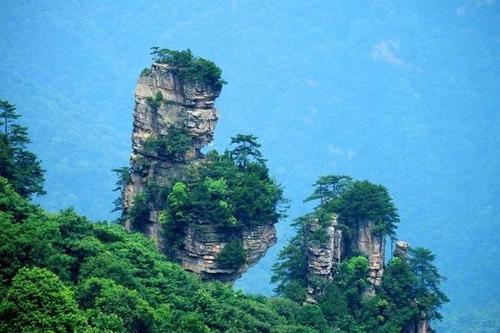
<point>190,106</point>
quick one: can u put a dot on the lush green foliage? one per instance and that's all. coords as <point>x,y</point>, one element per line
<point>224,193</point>
<point>62,273</point>
<point>365,201</point>
<point>246,150</point>
<point>189,67</point>
<point>173,145</point>
<point>229,190</point>
<point>17,163</point>
<point>37,300</point>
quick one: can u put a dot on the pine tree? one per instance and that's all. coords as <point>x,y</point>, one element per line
<point>19,165</point>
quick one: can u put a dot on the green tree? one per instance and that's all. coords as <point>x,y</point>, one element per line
<point>290,270</point>
<point>246,149</point>
<point>428,282</point>
<point>190,68</point>
<point>113,299</point>
<point>38,301</point>
<point>19,165</point>
<point>124,178</point>
<point>329,187</point>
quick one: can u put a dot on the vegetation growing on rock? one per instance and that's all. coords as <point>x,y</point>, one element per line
<point>189,67</point>
<point>172,146</point>
<point>226,190</point>
<point>62,273</point>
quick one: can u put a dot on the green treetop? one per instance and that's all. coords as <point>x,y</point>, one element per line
<point>246,149</point>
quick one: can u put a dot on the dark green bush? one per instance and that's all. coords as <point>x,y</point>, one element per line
<point>232,255</point>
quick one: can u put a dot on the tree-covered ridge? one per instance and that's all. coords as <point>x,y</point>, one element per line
<point>62,273</point>
<point>410,288</point>
<point>189,67</point>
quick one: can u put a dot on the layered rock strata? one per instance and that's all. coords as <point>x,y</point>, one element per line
<point>203,242</point>
<point>182,104</point>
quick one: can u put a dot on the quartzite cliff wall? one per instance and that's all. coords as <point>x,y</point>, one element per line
<point>190,106</point>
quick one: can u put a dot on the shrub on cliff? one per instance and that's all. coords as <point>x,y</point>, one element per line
<point>189,67</point>
<point>410,285</point>
<point>173,145</point>
<point>232,255</point>
<point>226,193</point>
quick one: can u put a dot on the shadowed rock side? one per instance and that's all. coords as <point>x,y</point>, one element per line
<point>189,106</point>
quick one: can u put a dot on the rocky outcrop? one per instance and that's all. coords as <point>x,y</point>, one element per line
<point>401,249</point>
<point>203,242</point>
<point>322,257</point>
<point>372,245</point>
<point>164,102</point>
<point>182,104</point>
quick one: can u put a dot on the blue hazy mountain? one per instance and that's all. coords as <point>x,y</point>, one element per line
<point>401,93</point>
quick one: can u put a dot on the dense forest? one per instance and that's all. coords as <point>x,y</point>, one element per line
<point>60,272</point>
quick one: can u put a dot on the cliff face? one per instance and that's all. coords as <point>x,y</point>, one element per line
<point>203,242</point>
<point>164,102</point>
<point>371,245</point>
<point>324,257</point>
